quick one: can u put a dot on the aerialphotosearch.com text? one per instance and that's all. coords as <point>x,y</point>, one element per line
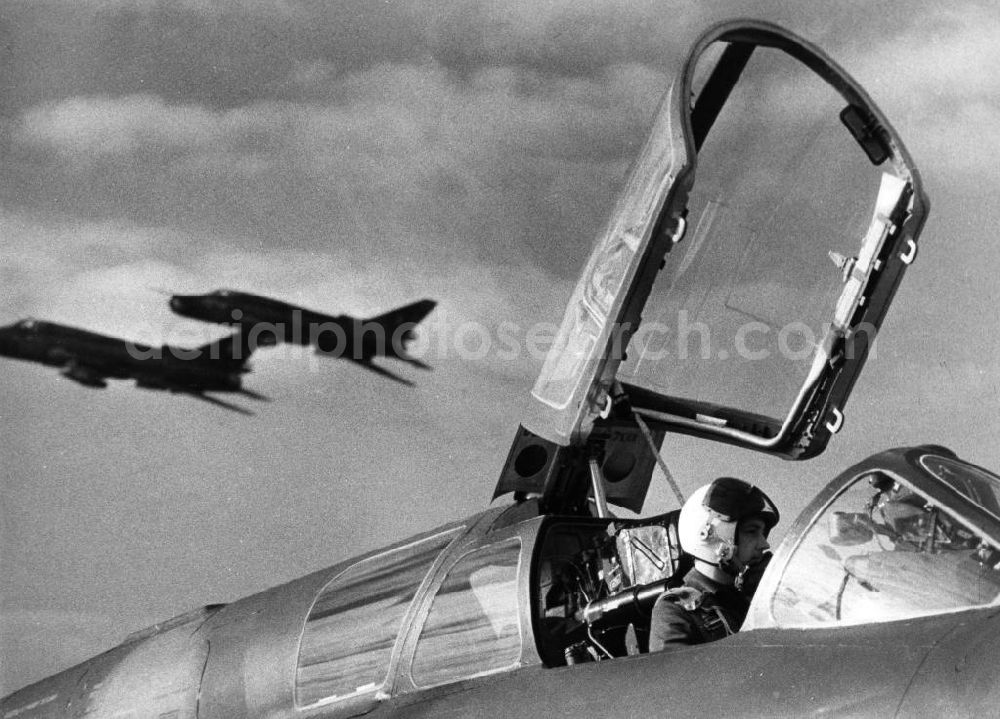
<point>444,337</point>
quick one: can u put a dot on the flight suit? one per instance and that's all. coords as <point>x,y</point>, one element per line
<point>700,610</point>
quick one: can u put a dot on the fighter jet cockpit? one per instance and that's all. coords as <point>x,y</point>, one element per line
<point>884,548</point>
<point>596,582</point>
<point>28,324</point>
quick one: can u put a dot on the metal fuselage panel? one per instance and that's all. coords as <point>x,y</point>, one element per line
<point>264,315</point>
<point>264,320</point>
<point>958,678</point>
<point>892,669</point>
<point>254,650</point>
<point>115,358</point>
<point>240,662</point>
<point>863,671</point>
<point>252,664</point>
<point>55,347</point>
<point>294,324</point>
<point>236,661</point>
<point>157,677</point>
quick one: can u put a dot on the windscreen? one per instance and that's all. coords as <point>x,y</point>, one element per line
<point>973,483</point>
<point>878,555</point>
<point>782,202</point>
<point>353,625</point>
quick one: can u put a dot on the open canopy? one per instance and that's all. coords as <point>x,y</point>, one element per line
<point>783,209</point>
<point>743,276</point>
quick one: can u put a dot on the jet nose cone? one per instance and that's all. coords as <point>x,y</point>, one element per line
<point>177,303</point>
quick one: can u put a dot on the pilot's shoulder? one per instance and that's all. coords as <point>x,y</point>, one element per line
<point>684,597</point>
<point>671,623</point>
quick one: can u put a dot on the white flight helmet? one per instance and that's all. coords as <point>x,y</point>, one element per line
<point>708,519</point>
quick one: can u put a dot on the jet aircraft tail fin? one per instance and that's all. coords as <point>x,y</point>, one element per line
<point>398,319</point>
<point>398,325</point>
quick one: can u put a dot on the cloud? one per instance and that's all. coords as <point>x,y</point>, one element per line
<point>507,154</point>
<point>229,53</point>
<point>938,85</point>
<point>944,57</point>
<point>86,129</point>
<point>503,165</point>
<point>99,274</point>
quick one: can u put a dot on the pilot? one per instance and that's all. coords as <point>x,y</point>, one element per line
<point>724,525</point>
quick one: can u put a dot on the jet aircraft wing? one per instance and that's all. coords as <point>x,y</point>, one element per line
<point>86,374</point>
<point>213,400</point>
<point>220,403</point>
<point>254,395</point>
<point>382,371</point>
<point>89,371</point>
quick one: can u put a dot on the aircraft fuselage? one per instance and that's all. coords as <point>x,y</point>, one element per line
<point>266,321</point>
<point>89,358</point>
<point>247,659</point>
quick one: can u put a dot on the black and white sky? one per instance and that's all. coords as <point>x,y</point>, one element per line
<point>351,156</point>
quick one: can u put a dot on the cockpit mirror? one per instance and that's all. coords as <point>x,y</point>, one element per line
<point>881,482</point>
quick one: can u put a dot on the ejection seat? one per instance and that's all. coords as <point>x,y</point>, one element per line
<point>596,581</point>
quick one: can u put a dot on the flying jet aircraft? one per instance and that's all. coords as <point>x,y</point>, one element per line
<point>267,320</point>
<point>91,359</point>
<point>882,599</point>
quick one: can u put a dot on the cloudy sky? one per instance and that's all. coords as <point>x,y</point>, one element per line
<point>351,156</point>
